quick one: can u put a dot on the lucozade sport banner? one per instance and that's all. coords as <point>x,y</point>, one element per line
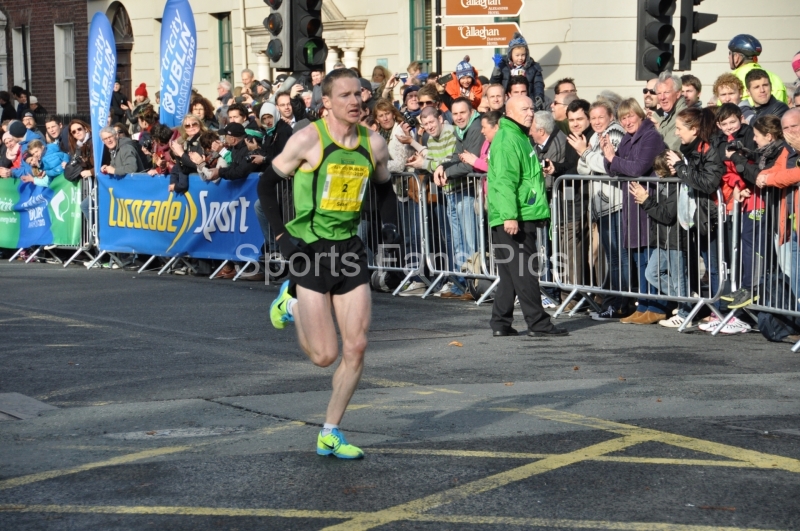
<point>211,220</point>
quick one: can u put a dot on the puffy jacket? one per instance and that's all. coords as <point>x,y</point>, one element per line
<point>737,168</point>
<point>533,73</point>
<point>453,89</point>
<point>516,184</point>
<point>773,107</point>
<point>785,174</point>
<point>52,159</point>
<point>26,168</point>
<point>702,170</point>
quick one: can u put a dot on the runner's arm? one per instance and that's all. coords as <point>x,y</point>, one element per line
<point>282,168</point>
<point>384,191</point>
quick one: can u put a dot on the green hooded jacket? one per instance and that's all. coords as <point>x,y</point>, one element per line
<point>516,183</point>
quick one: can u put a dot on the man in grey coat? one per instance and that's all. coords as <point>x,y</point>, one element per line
<point>124,159</point>
<point>668,92</point>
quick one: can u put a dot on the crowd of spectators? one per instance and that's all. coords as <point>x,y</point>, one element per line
<point>441,128</point>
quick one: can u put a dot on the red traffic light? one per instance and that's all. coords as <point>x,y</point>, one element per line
<point>274,4</point>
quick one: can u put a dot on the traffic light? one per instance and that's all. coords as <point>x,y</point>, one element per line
<point>691,23</point>
<point>654,36</point>
<point>279,25</point>
<point>310,50</point>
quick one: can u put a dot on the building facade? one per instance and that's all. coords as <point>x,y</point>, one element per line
<point>592,41</point>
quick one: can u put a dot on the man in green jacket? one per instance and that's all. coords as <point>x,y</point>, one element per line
<point>517,205</point>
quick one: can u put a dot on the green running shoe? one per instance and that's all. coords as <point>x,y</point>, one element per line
<point>278,311</point>
<point>335,444</point>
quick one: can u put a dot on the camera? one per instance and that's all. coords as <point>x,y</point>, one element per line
<point>77,160</point>
<point>251,157</point>
<point>412,121</point>
<point>737,147</point>
<point>147,144</point>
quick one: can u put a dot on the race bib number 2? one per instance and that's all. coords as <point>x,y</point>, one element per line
<point>344,187</point>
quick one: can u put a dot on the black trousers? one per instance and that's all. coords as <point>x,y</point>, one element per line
<point>518,267</point>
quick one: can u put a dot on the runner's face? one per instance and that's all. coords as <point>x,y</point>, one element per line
<point>344,103</point>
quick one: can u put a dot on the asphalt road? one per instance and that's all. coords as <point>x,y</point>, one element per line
<point>178,406</point>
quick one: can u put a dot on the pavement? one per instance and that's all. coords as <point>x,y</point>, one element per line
<point>134,401</point>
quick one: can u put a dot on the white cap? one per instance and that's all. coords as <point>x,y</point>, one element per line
<point>33,99</point>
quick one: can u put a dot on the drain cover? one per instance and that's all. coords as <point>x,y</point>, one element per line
<point>14,406</point>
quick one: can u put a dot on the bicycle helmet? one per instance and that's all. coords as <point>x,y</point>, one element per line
<point>746,45</point>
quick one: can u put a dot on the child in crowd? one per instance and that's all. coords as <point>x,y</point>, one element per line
<point>30,170</point>
<point>464,83</point>
<point>518,62</point>
<point>666,269</point>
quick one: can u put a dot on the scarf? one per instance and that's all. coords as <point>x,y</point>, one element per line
<point>80,143</point>
<point>687,204</point>
<point>768,153</point>
<point>386,133</point>
<point>461,132</point>
<point>11,153</point>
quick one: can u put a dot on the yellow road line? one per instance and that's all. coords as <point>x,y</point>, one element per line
<point>756,459</point>
<point>41,476</point>
<point>387,383</point>
<point>603,458</point>
<point>301,513</point>
<point>402,511</point>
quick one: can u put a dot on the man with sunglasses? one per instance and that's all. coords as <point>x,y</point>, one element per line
<point>650,99</point>
<point>559,108</point>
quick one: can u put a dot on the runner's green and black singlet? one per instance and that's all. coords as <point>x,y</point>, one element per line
<point>328,198</point>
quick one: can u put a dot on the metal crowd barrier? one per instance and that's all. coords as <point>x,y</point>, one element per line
<point>765,254</point>
<point>88,226</point>
<point>581,203</point>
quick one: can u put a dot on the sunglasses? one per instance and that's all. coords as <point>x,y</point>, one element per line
<point>648,91</point>
<point>76,130</point>
<point>187,126</point>
<point>427,102</point>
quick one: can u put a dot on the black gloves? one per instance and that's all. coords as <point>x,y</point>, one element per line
<point>390,234</point>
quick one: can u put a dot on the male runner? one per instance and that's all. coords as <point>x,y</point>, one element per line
<point>332,162</point>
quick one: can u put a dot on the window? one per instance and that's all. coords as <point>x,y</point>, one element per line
<point>19,55</point>
<point>66,101</point>
<point>421,34</point>
<point>225,47</point>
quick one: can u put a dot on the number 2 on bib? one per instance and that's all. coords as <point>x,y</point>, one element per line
<point>345,186</point>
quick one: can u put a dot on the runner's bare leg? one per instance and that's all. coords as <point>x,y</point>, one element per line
<point>317,336</point>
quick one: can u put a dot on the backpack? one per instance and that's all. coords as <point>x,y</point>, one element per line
<point>775,293</point>
<point>476,286</point>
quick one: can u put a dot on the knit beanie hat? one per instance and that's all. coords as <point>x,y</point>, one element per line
<point>268,108</point>
<point>796,62</point>
<point>464,69</point>
<point>141,90</point>
<point>408,90</point>
<point>517,41</point>
<point>17,129</point>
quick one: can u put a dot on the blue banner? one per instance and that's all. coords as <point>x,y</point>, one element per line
<point>178,57</point>
<point>137,213</point>
<point>102,74</point>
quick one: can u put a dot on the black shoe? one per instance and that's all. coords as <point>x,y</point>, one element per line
<point>504,333</point>
<point>554,331</point>
<point>743,297</point>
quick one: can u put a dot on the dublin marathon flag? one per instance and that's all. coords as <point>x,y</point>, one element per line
<point>211,220</point>
<point>102,74</point>
<point>178,57</point>
<point>39,215</point>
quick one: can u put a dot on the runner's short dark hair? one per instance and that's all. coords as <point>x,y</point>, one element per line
<point>332,76</point>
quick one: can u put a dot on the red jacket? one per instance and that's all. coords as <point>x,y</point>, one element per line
<point>785,178</point>
<point>453,88</point>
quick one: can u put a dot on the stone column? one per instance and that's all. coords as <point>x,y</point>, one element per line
<point>262,69</point>
<point>333,58</point>
<point>351,57</point>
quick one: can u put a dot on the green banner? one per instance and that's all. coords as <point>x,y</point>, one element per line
<point>37,215</point>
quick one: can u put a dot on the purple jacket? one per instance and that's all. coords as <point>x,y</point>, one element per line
<point>635,156</point>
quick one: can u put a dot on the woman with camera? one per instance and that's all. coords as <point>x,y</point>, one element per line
<point>187,152</point>
<point>396,131</point>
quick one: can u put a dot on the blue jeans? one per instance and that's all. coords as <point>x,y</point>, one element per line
<point>754,247</point>
<point>794,275</point>
<point>710,255</point>
<point>666,271</point>
<point>461,215</point>
<point>641,257</point>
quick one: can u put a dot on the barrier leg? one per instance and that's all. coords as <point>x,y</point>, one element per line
<point>403,283</point>
<point>168,264</point>
<point>564,304</point>
<point>433,285</point>
<point>243,269</point>
<point>95,260</point>
<point>15,255</point>
<point>77,254</point>
<point>189,266</point>
<point>51,253</point>
<point>724,322</point>
<point>149,261</point>
<point>796,347</point>
<point>488,292</point>
<point>33,255</point>
<point>214,274</point>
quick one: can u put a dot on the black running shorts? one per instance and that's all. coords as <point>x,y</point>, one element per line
<point>328,266</point>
